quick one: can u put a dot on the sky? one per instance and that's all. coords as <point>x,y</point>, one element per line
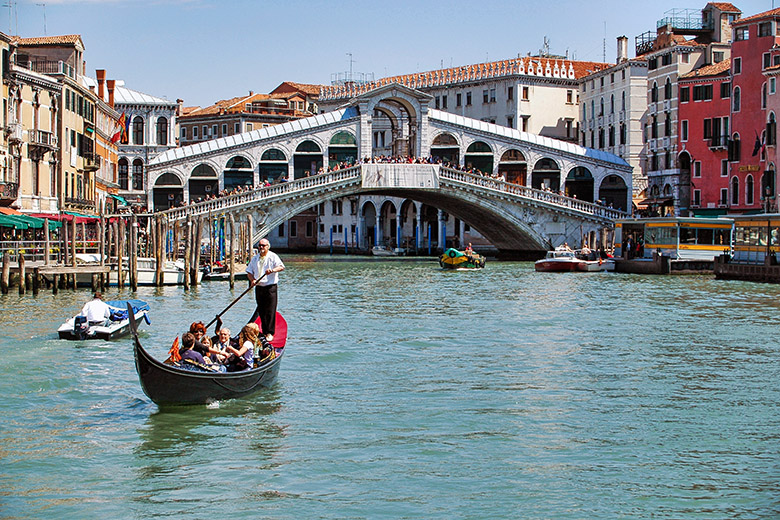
<point>202,51</point>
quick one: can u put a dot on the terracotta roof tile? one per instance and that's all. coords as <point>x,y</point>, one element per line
<point>765,14</point>
<point>726,7</point>
<point>67,39</point>
<point>290,86</point>
<point>709,70</point>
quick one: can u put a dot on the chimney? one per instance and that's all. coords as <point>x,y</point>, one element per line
<point>101,79</point>
<point>251,93</point>
<point>622,49</point>
<point>110,85</point>
<point>179,107</point>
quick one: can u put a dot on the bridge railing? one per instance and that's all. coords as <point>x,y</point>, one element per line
<point>531,193</point>
<point>222,204</point>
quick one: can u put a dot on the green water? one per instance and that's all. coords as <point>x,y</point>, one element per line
<point>411,392</point>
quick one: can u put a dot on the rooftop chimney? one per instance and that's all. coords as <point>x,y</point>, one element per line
<point>110,85</point>
<point>622,49</point>
<point>101,79</point>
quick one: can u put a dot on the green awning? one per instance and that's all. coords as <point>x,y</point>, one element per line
<point>10,221</point>
<point>80,215</point>
<point>122,200</point>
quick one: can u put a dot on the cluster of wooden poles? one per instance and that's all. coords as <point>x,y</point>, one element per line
<point>123,240</point>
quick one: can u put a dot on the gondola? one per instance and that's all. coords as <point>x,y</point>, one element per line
<point>168,385</point>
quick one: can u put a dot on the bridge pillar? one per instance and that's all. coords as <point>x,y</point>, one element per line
<point>419,229</point>
<point>462,234</point>
<point>442,231</point>
<point>377,231</point>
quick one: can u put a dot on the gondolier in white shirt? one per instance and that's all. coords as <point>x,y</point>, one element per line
<point>268,262</point>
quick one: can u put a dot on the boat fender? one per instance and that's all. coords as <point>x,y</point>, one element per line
<point>452,253</point>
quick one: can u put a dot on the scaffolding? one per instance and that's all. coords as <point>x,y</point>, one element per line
<point>685,21</point>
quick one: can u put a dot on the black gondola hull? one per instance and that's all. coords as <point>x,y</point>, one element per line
<point>167,385</point>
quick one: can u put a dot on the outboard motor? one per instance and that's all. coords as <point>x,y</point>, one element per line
<point>80,327</point>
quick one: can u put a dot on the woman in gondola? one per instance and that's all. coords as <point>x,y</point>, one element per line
<point>243,357</point>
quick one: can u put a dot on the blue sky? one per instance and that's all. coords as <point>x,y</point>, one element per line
<point>205,50</point>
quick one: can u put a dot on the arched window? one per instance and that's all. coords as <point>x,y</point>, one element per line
<point>668,89</point>
<point>736,99</point>
<point>273,154</point>
<point>763,95</point>
<point>771,130</point>
<point>138,175</point>
<point>735,191</point>
<point>162,131</point>
<point>601,107</point>
<point>612,104</point>
<point>623,101</point>
<point>749,190</point>
<point>124,171</point>
<point>138,130</point>
<point>654,93</point>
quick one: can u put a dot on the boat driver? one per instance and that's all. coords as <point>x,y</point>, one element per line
<point>97,311</point>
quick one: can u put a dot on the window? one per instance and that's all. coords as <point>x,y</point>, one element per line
<point>741,34</point>
<point>724,196</point>
<point>767,60</point>
<point>309,229</point>
<point>183,133</point>
<point>458,100</point>
<point>215,131</point>
<point>224,129</point>
<point>696,198</point>
<point>249,127</point>
<point>697,169</point>
<point>735,191</point>
<point>735,148</point>
<point>654,128</point>
<point>684,130</point>
<point>612,104</point>
<point>666,59</point>
<point>492,95</point>
<point>611,136</point>
<point>205,132</point>
<point>668,125</point>
<point>737,65</point>
<point>764,29</point>
<point>763,95</point>
<point>707,133</point>
<point>652,64</point>
<point>622,133</point>
<point>623,101</point>
<point>485,97</point>
<point>510,122</point>
<point>702,92</point>
<point>684,94</point>
<point>717,56</point>
<point>725,90</point>
<point>668,89</point>
<point>138,130</point>
<point>526,94</point>
<point>293,228</point>
<point>194,132</point>
<point>601,138</point>
<point>281,229</point>
<point>736,100</point>
<point>772,85</point>
<point>437,102</point>
<point>510,93</point>
<point>162,131</point>
<point>601,107</point>
<point>444,101</point>
<point>771,131</point>
<point>569,97</point>
<point>468,99</point>
<point>749,190</point>
<point>612,78</point>
<point>654,93</point>
<point>236,128</point>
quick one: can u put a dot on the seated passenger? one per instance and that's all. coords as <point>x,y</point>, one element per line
<point>187,352</point>
<point>221,344</point>
<point>243,358</point>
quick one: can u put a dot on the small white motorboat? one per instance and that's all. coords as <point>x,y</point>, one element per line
<point>77,328</point>
<point>383,251</point>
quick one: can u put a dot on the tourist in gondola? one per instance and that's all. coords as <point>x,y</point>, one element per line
<point>267,263</point>
<point>221,344</point>
<point>187,349</point>
<point>243,358</point>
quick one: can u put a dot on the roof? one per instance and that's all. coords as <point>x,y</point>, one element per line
<point>715,69</point>
<point>291,86</point>
<point>725,7</point>
<point>563,146</point>
<point>124,95</point>
<point>269,132</point>
<point>232,105</point>
<point>759,16</point>
<point>67,39</point>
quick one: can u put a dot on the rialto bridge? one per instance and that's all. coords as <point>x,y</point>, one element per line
<point>533,192</point>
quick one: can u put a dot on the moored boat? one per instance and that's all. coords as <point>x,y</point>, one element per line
<point>561,259</point>
<point>77,328</point>
<point>170,385</point>
<point>454,259</point>
<point>383,251</point>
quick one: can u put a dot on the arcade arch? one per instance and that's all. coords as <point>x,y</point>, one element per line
<point>168,191</point>
<point>613,191</point>
<point>238,172</point>
<point>579,184</point>
<point>203,182</point>
<point>479,155</point>
<point>546,175</point>
<point>446,148</point>
<point>272,166</point>
<point>513,167</point>
<point>342,149</point>
<point>307,159</point>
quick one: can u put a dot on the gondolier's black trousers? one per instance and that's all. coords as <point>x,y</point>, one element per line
<point>265,295</point>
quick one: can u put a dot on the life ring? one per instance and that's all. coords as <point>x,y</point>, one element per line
<point>452,253</point>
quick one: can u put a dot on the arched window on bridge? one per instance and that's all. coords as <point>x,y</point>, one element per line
<point>273,165</point>
<point>238,172</point>
<point>546,175</point>
<point>479,156</point>
<point>307,158</point>
<point>203,182</point>
<point>368,232</point>
<point>579,184</point>
<point>513,167</point>
<point>168,192</point>
<point>613,191</point>
<point>446,147</point>
<point>342,149</point>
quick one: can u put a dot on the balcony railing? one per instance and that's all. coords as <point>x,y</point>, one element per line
<point>719,141</point>
<point>80,203</point>
<point>42,138</point>
<point>50,68</point>
<point>8,190</point>
<point>14,131</point>
<point>91,162</point>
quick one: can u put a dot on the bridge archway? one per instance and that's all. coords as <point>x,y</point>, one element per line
<point>579,184</point>
<point>446,147</point>
<point>203,182</point>
<point>546,175</point>
<point>513,167</point>
<point>368,217</point>
<point>613,191</point>
<point>238,172</point>
<point>403,106</point>
<point>272,165</point>
<point>168,191</point>
<point>409,231</point>
<point>388,221</point>
<point>307,158</point>
<point>342,149</point>
<point>479,155</point>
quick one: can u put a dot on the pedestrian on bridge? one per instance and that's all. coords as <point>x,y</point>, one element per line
<point>263,273</point>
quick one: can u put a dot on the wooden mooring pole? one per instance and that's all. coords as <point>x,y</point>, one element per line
<point>5,280</point>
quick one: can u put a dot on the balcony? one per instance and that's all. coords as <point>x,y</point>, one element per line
<point>43,139</point>
<point>719,142</point>
<point>50,68</point>
<point>79,203</point>
<point>14,132</point>
<point>91,162</point>
<point>8,190</point>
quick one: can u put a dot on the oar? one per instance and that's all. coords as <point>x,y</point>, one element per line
<point>218,316</point>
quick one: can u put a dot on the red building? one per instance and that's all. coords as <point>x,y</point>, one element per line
<point>703,130</point>
<point>752,123</point>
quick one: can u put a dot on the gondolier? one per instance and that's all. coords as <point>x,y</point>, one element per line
<point>269,264</point>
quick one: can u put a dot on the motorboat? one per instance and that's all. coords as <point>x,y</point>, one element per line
<point>77,327</point>
<point>383,251</point>
<point>173,271</point>
<point>593,262</point>
<point>461,260</point>
<point>564,259</point>
<point>220,272</point>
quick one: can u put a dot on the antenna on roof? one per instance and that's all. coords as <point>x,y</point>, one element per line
<point>11,5</point>
<point>44,17</point>
<point>604,45</point>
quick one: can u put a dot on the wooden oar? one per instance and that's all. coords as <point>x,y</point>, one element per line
<point>218,316</point>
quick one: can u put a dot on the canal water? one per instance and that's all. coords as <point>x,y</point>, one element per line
<point>410,392</point>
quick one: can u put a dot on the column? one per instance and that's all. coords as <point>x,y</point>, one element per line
<point>442,231</point>
<point>377,231</point>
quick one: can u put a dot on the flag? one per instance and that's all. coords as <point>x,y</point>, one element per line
<point>121,129</point>
<point>757,146</point>
<point>173,354</point>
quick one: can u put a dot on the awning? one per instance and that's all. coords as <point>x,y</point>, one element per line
<point>10,222</point>
<point>23,221</point>
<point>66,216</point>
<point>121,200</point>
<point>660,201</point>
